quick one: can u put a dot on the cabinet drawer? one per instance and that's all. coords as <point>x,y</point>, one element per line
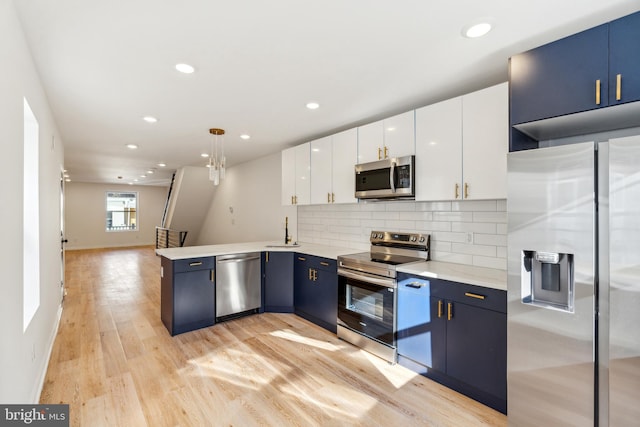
<point>193,264</point>
<point>317,263</point>
<point>477,296</point>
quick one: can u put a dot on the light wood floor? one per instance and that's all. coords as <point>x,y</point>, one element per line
<point>116,365</point>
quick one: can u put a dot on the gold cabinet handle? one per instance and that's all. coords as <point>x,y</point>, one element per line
<point>326,264</point>
<point>618,87</point>
<point>315,275</point>
<point>449,311</point>
<point>195,264</point>
<point>472,295</point>
<point>439,309</point>
<point>457,190</point>
<point>266,257</point>
<point>466,190</point>
<point>386,152</point>
<point>333,198</point>
<point>328,197</point>
<point>598,92</point>
<point>295,199</point>
<point>379,153</point>
<point>310,274</point>
<point>212,275</point>
<point>301,258</point>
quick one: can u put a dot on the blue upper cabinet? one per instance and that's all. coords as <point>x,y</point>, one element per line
<point>561,77</point>
<point>583,73</point>
<point>624,59</point>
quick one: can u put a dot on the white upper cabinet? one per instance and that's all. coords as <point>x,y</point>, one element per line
<point>485,136</point>
<point>345,154</point>
<point>332,168</point>
<point>462,145</point>
<point>370,142</point>
<point>399,135</point>
<point>296,188</point>
<point>439,150</point>
<point>391,137</point>
<point>321,158</point>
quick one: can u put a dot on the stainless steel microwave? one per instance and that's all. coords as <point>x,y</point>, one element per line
<point>392,178</point>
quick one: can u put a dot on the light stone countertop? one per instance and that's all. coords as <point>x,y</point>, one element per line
<point>479,276</point>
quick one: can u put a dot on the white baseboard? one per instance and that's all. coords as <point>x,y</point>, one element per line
<point>45,365</point>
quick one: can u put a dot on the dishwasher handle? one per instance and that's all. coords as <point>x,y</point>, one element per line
<point>236,260</point>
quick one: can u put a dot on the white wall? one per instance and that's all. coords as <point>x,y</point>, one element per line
<point>463,232</point>
<point>85,215</point>
<point>252,191</point>
<point>24,354</point>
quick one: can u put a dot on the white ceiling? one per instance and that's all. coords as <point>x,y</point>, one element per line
<point>104,65</point>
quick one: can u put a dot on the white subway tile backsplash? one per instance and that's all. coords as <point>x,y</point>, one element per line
<point>448,222</point>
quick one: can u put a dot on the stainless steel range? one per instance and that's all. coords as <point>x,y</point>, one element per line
<point>367,290</point>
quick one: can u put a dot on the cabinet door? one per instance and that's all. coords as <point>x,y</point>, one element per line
<point>485,143</point>
<point>560,78</point>
<point>302,296</point>
<point>624,60</point>
<point>439,151</point>
<point>278,282</point>
<point>321,156</point>
<point>303,170</point>
<point>476,348</point>
<point>288,187</point>
<point>345,156</point>
<point>325,298</point>
<point>370,142</point>
<point>193,301</point>
<point>399,135</point>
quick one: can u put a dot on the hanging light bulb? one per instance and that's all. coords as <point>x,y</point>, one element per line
<point>216,164</point>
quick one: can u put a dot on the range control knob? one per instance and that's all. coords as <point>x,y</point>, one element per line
<point>421,239</point>
<point>413,238</point>
<point>379,235</point>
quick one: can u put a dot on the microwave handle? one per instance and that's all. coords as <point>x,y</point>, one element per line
<point>392,177</point>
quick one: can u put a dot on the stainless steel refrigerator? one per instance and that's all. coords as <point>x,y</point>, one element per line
<point>574,285</point>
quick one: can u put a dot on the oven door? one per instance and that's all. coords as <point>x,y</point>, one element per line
<point>367,304</point>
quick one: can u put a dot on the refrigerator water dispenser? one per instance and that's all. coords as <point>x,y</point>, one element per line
<point>547,280</point>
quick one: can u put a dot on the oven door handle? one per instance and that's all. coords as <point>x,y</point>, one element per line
<point>368,278</point>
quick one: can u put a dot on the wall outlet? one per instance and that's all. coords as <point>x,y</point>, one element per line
<point>469,238</point>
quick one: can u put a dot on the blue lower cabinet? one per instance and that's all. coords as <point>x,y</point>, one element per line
<point>315,291</point>
<point>455,334</point>
<point>187,294</point>
<point>278,282</point>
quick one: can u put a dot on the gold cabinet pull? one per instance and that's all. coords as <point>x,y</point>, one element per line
<point>326,264</point>
<point>291,199</point>
<point>379,153</point>
<point>457,190</point>
<point>212,275</point>
<point>598,92</point>
<point>618,87</point>
<point>333,198</point>
<point>439,309</point>
<point>315,275</point>
<point>195,264</point>
<point>301,258</point>
<point>472,295</point>
<point>266,257</point>
<point>310,274</point>
<point>386,152</point>
<point>449,311</point>
<point>295,199</point>
<point>328,197</point>
<point>466,190</point>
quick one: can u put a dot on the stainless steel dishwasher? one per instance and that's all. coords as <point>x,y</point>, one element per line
<point>238,284</point>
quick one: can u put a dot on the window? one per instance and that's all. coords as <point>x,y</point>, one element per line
<point>122,211</point>
<point>31,219</point>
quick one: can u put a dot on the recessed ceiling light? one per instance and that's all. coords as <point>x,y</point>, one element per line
<point>131,183</point>
<point>149,119</point>
<point>185,68</point>
<point>66,175</point>
<point>161,164</point>
<point>143,176</point>
<point>135,180</point>
<point>67,180</point>
<point>204,155</point>
<point>132,146</point>
<point>476,30</point>
<point>149,172</point>
<point>313,105</point>
<point>245,136</point>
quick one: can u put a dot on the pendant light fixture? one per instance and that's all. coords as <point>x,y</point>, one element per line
<point>217,165</point>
